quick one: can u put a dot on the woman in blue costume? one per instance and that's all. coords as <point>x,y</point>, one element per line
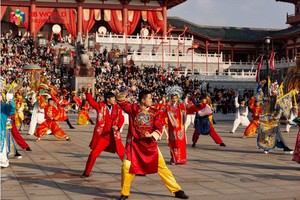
<point>7,109</point>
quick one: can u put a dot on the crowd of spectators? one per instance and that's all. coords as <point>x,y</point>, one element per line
<point>111,74</point>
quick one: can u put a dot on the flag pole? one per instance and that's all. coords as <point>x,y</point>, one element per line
<point>219,56</point>
<point>206,49</point>
<point>193,68</point>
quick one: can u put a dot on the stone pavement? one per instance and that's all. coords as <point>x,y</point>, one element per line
<point>239,171</point>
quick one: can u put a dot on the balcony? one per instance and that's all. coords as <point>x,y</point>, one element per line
<point>292,19</point>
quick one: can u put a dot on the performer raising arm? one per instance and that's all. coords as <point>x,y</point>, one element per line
<point>142,155</point>
<point>107,136</point>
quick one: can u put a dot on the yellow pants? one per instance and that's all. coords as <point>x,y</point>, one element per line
<point>163,171</point>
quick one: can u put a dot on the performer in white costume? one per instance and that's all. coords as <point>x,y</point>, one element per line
<point>293,115</point>
<point>191,117</point>
<point>241,115</point>
<point>38,115</point>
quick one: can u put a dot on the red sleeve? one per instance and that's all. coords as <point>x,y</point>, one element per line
<point>126,106</point>
<point>77,100</point>
<point>56,114</point>
<point>157,126</point>
<point>55,99</point>
<point>121,118</point>
<point>191,108</point>
<point>64,103</point>
<point>91,100</point>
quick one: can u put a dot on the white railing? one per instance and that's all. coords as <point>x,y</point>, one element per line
<point>138,40</point>
<point>172,51</point>
<point>224,76</point>
<point>170,57</point>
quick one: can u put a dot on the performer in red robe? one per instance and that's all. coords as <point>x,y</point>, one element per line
<point>107,136</point>
<point>142,155</point>
<point>176,112</point>
<point>256,111</point>
<point>61,104</point>
<point>51,116</point>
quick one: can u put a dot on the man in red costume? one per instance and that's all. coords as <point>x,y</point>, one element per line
<point>107,136</point>
<point>142,155</point>
<point>61,103</point>
<point>51,116</point>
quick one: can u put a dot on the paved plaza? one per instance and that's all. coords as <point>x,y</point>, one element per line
<point>239,171</point>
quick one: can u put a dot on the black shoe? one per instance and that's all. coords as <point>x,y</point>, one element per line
<point>28,149</point>
<point>181,195</point>
<point>18,155</point>
<point>72,127</point>
<point>223,145</point>
<point>68,139</point>
<point>194,144</point>
<point>231,132</point>
<point>122,197</point>
<point>287,150</point>
<point>84,176</point>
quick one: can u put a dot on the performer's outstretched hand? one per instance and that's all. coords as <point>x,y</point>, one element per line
<point>89,89</point>
<point>121,96</point>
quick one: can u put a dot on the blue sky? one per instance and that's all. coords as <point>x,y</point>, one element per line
<point>237,13</point>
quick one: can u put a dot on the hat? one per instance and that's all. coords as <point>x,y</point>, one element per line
<point>43,86</point>
<point>174,90</point>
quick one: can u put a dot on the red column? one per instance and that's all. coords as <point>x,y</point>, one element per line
<point>164,12</point>
<point>125,18</point>
<point>32,27</point>
<point>79,18</point>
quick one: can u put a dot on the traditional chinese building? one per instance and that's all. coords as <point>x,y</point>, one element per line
<point>82,16</point>
<point>229,48</point>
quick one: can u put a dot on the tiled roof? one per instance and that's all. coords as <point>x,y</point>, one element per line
<point>285,32</point>
<point>220,32</point>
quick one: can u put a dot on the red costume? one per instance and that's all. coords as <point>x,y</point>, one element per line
<point>142,151</point>
<point>176,126</point>
<point>17,136</point>
<point>162,107</point>
<point>252,127</point>
<point>104,138</point>
<point>51,116</point>
<point>61,104</point>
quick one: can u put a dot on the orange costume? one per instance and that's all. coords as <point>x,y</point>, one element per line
<point>51,116</point>
<point>252,127</point>
<point>61,104</point>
